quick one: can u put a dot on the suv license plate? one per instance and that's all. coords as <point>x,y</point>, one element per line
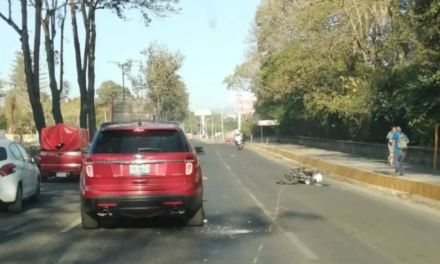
<point>139,169</point>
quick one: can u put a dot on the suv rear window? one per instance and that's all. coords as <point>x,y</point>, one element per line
<point>149,141</point>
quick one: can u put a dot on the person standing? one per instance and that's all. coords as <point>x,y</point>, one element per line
<point>390,145</point>
<point>400,144</point>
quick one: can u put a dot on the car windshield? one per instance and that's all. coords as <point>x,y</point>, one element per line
<point>126,142</point>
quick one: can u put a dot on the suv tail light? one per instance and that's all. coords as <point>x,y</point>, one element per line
<point>89,170</point>
<point>188,168</point>
<point>189,165</point>
<point>7,169</point>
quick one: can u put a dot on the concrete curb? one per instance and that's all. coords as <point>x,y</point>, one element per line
<point>423,189</point>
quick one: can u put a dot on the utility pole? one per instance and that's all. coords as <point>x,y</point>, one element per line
<point>223,129</point>
<point>212,128</point>
<point>157,111</point>
<point>122,65</point>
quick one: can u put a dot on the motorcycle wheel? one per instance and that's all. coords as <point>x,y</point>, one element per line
<point>290,178</point>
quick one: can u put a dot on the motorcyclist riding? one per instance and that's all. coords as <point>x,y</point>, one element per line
<point>237,136</point>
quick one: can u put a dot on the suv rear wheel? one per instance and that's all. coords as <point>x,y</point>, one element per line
<point>197,219</point>
<point>88,221</point>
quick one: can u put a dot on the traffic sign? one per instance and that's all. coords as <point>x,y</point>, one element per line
<point>268,123</point>
<point>239,96</point>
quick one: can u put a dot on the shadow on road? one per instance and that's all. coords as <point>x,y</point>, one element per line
<point>50,192</point>
<point>224,232</point>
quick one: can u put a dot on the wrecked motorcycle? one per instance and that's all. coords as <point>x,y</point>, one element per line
<point>302,174</point>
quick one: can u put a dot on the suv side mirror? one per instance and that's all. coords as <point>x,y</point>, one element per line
<point>200,150</point>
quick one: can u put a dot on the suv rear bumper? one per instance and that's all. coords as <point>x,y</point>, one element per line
<point>142,206</point>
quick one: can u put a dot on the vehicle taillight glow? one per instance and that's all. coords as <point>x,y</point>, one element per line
<point>7,169</point>
<point>188,168</point>
<point>89,170</point>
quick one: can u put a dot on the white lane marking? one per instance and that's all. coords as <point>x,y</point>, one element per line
<point>226,165</point>
<point>71,225</point>
<point>278,201</point>
<point>307,252</point>
<point>258,253</point>
<point>296,242</point>
<point>270,228</point>
<point>258,203</point>
<point>239,231</point>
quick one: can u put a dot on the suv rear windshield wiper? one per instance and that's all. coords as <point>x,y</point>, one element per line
<point>149,150</point>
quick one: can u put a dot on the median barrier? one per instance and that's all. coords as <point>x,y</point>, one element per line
<point>427,190</point>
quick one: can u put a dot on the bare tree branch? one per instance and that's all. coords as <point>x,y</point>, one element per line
<point>9,20</point>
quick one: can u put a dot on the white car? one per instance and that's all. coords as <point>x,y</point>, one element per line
<point>19,176</point>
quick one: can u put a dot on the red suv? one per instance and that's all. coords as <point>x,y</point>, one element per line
<point>141,170</point>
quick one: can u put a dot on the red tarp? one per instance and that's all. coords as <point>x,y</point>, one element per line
<point>73,138</point>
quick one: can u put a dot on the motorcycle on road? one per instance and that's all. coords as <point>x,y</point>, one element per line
<point>239,145</point>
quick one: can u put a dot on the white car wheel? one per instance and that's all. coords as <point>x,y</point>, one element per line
<point>17,206</point>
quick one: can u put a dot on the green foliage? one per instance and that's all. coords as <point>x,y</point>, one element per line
<point>346,70</point>
<point>159,8</point>
<point>166,89</point>
<point>16,115</point>
<point>247,125</point>
<point>109,91</point>
<point>70,109</point>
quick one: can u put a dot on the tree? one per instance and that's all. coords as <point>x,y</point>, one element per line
<point>31,63</point>
<point>17,107</point>
<point>85,63</point>
<point>109,91</point>
<point>344,69</point>
<point>17,102</point>
<point>138,82</point>
<point>49,24</point>
<point>165,88</point>
<point>70,110</point>
<point>2,85</point>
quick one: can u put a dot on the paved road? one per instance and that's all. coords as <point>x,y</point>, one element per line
<point>251,219</point>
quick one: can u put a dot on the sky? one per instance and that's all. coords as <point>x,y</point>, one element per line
<point>210,33</point>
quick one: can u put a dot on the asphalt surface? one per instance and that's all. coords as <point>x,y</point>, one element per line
<point>251,219</point>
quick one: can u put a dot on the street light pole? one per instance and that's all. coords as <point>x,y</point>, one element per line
<point>223,128</point>
<point>212,128</point>
<point>123,82</point>
<point>156,110</point>
<point>122,66</point>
